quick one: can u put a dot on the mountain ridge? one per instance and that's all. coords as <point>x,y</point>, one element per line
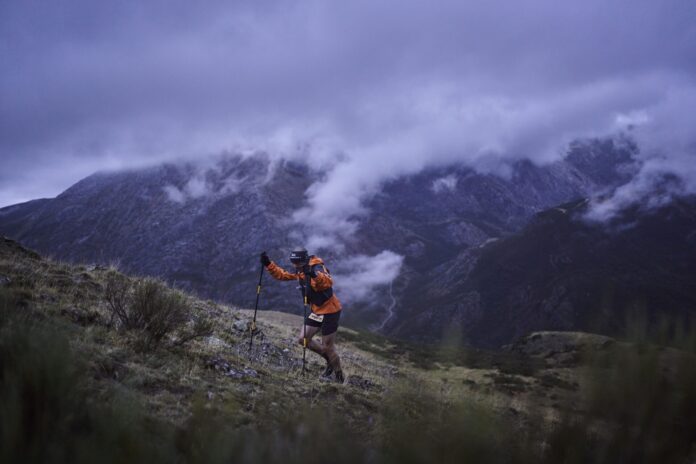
<point>201,228</point>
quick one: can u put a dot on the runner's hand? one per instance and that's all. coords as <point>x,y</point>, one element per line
<point>265,260</point>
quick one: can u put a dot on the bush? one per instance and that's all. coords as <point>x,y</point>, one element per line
<point>149,306</point>
<point>161,311</point>
<point>118,294</point>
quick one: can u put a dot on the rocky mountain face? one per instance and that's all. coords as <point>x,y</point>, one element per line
<point>439,218</point>
<point>564,273</point>
<point>201,227</point>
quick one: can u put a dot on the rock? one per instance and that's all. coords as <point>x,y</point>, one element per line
<point>4,280</point>
<point>95,267</point>
<point>216,342</point>
<point>240,374</point>
<point>218,364</point>
<point>363,383</point>
<point>224,367</point>
<point>241,325</point>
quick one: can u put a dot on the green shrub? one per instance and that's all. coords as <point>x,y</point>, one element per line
<point>118,294</point>
<point>161,310</point>
<point>149,306</point>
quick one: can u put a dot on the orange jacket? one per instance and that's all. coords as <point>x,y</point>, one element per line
<point>321,283</point>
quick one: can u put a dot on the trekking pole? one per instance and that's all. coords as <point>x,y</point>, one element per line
<point>252,328</point>
<point>304,325</point>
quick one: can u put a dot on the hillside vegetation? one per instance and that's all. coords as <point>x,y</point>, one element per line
<point>98,366</point>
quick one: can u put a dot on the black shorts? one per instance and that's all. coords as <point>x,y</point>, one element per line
<point>329,323</point>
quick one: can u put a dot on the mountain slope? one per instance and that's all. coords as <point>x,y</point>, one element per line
<point>201,227</point>
<point>564,273</point>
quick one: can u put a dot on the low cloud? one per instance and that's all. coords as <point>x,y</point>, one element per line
<point>363,91</point>
<point>197,187</point>
<point>360,277</point>
<point>667,144</point>
<point>208,178</point>
<point>174,194</point>
<point>652,188</point>
<point>488,134</point>
<point>445,184</point>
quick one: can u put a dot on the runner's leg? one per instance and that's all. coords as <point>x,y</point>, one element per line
<point>311,344</point>
<point>328,343</point>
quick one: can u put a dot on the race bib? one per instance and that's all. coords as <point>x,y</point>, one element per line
<point>316,317</point>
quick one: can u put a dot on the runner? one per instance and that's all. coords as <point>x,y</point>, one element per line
<point>325,306</point>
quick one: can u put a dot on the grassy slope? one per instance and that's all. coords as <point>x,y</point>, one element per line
<point>540,381</point>
<point>167,380</point>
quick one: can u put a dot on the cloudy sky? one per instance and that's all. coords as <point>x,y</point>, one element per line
<point>392,85</point>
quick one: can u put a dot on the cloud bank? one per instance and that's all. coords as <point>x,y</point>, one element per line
<point>358,278</point>
<point>667,138</point>
<point>364,91</point>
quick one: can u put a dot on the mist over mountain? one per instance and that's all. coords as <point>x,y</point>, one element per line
<point>201,227</point>
<point>368,91</point>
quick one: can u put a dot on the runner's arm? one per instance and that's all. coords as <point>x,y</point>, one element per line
<point>279,273</point>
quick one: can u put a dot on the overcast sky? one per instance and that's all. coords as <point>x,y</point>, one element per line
<point>392,85</point>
